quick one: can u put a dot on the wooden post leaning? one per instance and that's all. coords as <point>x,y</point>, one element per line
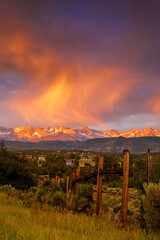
<point>125,188</point>
<point>56,179</point>
<point>71,182</point>
<point>77,175</point>
<point>52,180</point>
<point>59,180</point>
<point>73,177</point>
<point>99,187</point>
<point>86,170</point>
<point>67,181</point>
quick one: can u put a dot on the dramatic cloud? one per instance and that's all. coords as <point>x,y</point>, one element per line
<point>88,63</point>
<point>74,97</point>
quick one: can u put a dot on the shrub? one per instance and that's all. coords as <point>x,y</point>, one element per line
<point>151,206</point>
<point>47,183</point>
<point>40,195</point>
<point>82,202</point>
<point>85,190</point>
<point>59,199</point>
<point>51,195</point>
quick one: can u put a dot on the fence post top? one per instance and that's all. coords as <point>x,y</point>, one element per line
<point>126,150</point>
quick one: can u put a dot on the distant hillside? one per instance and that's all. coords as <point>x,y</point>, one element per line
<point>134,145</point>
<point>117,144</point>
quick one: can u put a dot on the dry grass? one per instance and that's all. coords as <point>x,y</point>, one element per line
<point>20,223</point>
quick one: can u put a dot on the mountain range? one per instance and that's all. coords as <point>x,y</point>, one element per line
<point>36,134</point>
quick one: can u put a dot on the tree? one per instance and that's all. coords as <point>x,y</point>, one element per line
<point>155,171</point>
<point>76,160</point>
<point>138,173</point>
<point>12,170</point>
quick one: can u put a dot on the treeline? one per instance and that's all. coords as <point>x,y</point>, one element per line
<point>22,173</point>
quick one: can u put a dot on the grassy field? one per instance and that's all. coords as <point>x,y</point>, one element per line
<point>86,160</point>
<point>20,223</point>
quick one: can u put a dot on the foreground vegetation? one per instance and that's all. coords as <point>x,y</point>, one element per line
<point>34,205</point>
<point>18,222</point>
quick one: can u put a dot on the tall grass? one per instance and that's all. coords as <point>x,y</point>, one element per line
<point>20,223</point>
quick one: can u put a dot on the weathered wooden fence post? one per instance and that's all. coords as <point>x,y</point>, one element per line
<point>67,181</point>
<point>86,170</point>
<point>59,180</point>
<point>56,179</point>
<point>77,176</point>
<point>99,187</point>
<point>52,180</point>
<point>73,177</point>
<point>71,182</point>
<point>125,188</point>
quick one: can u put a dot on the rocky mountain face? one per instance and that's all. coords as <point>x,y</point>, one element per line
<point>35,134</point>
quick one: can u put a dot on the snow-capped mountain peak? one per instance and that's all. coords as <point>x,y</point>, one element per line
<point>68,134</point>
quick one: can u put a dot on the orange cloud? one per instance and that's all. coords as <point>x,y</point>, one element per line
<point>73,96</point>
<point>56,68</point>
<point>18,44</point>
<point>60,91</point>
<point>154,105</point>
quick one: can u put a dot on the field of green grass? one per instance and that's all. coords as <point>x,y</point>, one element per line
<point>21,223</point>
<point>86,160</point>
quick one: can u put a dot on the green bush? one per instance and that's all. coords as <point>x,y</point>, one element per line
<point>59,199</point>
<point>151,206</point>
<point>85,190</point>
<point>27,198</point>
<point>51,195</point>
<point>82,202</point>
<point>40,195</point>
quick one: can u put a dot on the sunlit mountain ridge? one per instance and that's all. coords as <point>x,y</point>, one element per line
<point>35,134</point>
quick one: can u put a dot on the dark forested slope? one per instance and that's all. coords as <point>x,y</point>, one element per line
<point>135,145</point>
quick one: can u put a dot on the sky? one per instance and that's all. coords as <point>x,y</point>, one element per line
<point>77,63</point>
